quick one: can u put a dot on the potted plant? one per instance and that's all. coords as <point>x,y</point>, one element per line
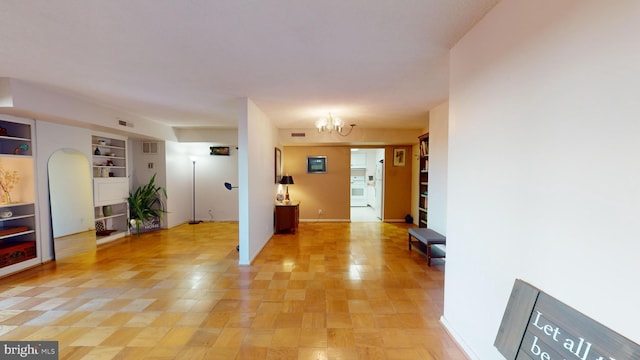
<point>146,203</point>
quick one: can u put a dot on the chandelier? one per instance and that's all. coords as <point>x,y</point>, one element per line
<point>332,124</point>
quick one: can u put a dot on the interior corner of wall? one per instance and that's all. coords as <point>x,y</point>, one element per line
<point>458,339</point>
<point>6,98</point>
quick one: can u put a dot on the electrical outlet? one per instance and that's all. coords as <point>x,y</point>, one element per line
<point>319,211</point>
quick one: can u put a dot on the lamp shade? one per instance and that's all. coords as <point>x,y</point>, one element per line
<point>286,180</point>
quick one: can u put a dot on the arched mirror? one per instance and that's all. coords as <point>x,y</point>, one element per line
<point>71,198</point>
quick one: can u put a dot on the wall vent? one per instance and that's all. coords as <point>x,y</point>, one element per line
<point>124,123</point>
<point>298,134</point>
<point>150,147</point>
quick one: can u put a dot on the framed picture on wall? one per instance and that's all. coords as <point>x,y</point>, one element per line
<point>316,164</point>
<point>399,156</point>
<point>278,165</point>
<point>219,150</point>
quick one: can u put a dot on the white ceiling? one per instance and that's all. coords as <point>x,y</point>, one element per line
<point>184,63</point>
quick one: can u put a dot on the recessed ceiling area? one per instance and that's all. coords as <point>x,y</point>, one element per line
<point>376,63</point>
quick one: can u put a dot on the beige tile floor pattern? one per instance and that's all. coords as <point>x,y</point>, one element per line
<point>331,291</point>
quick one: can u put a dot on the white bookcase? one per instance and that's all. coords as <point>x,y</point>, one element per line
<point>19,244</point>
<point>110,186</point>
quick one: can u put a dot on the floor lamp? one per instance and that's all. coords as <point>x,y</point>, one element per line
<point>194,221</point>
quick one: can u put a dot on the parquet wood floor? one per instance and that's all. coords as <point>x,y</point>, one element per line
<point>331,291</point>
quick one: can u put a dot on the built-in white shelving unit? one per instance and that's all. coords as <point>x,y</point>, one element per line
<point>110,186</point>
<point>19,244</point>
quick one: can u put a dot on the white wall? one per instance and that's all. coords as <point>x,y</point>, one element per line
<point>214,202</point>
<point>179,169</point>
<point>257,138</point>
<point>543,165</point>
<point>36,101</point>
<point>438,149</point>
<point>358,136</point>
<point>142,167</point>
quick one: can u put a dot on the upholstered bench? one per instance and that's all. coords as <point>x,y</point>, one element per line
<point>433,241</point>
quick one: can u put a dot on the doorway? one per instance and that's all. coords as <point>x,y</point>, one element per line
<point>366,184</point>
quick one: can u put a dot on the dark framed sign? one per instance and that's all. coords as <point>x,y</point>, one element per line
<point>316,164</point>
<point>539,327</point>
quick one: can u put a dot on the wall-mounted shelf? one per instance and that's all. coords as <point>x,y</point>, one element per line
<point>109,157</point>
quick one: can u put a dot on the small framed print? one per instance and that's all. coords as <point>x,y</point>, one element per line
<point>219,150</point>
<point>316,164</point>
<point>399,156</point>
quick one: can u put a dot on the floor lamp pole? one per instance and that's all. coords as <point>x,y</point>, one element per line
<point>194,221</point>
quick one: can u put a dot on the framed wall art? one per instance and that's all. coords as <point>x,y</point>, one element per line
<point>399,156</point>
<point>219,150</point>
<point>316,164</point>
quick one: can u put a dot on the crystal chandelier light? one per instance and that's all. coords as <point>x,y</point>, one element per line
<point>331,124</point>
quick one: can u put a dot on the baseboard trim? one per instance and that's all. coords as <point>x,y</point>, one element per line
<point>325,220</point>
<point>458,339</point>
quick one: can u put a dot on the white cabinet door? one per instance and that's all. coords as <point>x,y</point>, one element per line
<point>358,159</point>
<point>108,191</point>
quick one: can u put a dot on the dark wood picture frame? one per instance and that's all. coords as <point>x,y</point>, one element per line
<point>278,165</point>
<point>399,156</point>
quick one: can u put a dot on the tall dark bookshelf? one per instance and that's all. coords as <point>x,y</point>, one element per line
<point>423,181</point>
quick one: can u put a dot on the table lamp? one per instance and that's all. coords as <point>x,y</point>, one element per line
<point>286,180</point>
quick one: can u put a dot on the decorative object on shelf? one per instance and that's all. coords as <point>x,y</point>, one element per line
<point>219,150</point>
<point>146,202</point>
<point>15,252</point>
<point>101,229</point>
<point>279,194</point>
<point>104,172</point>
<point>107,210</point>
<point>102,142</point>
<point>287,180</point>
<point>3,131</point>
<point>399,156</point>
<point>8,179</point>
<point>6,214</point>
<point>13,230</point>
<point>97,152</point>
<point>19,148</point>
